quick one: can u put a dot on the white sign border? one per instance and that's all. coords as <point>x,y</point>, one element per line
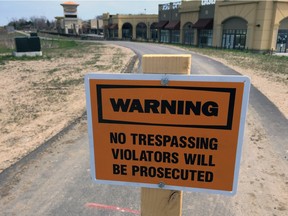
<point>159,77</point>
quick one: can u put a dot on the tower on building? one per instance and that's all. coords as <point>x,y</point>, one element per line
<point>71,23</point>
<point>70,9</point>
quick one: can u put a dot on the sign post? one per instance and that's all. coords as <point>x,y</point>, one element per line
<point>174,132</point>
<point>159,202</point>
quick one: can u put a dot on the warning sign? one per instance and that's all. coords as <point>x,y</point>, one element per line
<point>186,134</point>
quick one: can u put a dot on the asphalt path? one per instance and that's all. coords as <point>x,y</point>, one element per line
<point>274,121</point>
<point>55,179</point>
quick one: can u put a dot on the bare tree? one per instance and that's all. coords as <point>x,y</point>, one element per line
<point>35,23</point>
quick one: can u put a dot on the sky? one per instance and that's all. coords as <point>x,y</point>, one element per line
<point>16,9</point>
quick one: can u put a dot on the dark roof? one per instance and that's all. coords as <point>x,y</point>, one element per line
<point>173,25</point>
<point>161,24</point>
<point>113,26</point>
<point>153,25</point>
<point>204,24</point>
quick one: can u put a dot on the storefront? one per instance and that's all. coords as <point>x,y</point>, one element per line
<point>127,30</point>
<point>282,37</point>
<point>141,31</point>
<point>173,28</point>
<point>188,34</point>
<point>234,33</point>
<point>154,32</point>
<point>205,32</point>
<point>255,25</point>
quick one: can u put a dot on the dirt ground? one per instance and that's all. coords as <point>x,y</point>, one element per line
<point>41,97</point>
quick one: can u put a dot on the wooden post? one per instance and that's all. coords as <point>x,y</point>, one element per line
<point>166,64</point>
<point>161,202</point>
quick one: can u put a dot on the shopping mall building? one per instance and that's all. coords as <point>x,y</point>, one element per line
<point>256,25</point>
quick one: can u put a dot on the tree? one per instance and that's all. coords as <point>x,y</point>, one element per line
<point>37,23</point>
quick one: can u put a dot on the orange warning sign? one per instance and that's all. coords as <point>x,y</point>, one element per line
<point>186,134</point>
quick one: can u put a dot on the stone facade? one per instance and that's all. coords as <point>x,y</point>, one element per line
<point>263,20</point>
<point>128,26</point>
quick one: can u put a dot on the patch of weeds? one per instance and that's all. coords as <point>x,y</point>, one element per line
<point>95,49</point>
<point>58,83</point>
<point>63,92</point>
<point>34,84</point>
<point>60,54</point>
<point>275,64</point>
<point>93,60</point>
<point>246,59</point>
<point>24,111</point>
<point>79,56</point>
<point>55,82</point>
<point>58,44</point>
<point>59,48</point>
<point>72,82</point>
<point>102,67</point>
<point>28,70</point>
<point>50,72</point>
<point>4,58</point>
<point>67,44</point>
<point>78,70</point>
<point>49,44</point>
<point>5,50</point>
<point>116,59</point>
<point>55,98</point>
<point>28,58</point>
<point>69,55</point>
<point>48,57</point>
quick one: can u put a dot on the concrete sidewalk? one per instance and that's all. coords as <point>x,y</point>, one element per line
<point>281,54</point>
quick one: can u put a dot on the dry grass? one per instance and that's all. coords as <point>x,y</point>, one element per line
<point>260,62</point>
<point>40,96</point>
<point>7,42</point>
